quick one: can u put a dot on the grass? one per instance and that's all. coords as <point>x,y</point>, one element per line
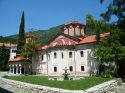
<point>72,85</point>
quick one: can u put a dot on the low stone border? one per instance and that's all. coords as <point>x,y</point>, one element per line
<point>105,87</point>
<point>101,88</point>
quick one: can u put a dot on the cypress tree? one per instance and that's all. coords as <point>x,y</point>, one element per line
<point>4,57</point>
<point>21,37</point>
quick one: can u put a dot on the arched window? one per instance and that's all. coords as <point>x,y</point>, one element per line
<point>81,53</point>
<point>82,68</point>
<point>55,69</point>
<point>55,55</point>
<point>70,68</point>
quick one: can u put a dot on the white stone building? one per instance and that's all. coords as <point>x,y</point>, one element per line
<point>70,49</point>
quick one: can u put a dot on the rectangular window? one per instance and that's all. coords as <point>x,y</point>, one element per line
<point>55,55</point>
<point>62,55</point>
<point>70,54</point>
<point>42,57</point>
<point>81,53</point>
<point>55,69</point>
<point>82,68</point>
<point>70,68</point>
<point>13,51</point>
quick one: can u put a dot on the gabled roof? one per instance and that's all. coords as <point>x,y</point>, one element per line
<point>8,44</point>
<point>62,40</point>
<point>91,39</point>
<point>65,40</point>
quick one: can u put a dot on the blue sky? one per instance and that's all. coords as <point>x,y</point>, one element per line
<point>44,14</point>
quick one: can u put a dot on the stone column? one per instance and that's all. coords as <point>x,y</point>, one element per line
<point>9,68</point>
<point>16,68</point>
<point>24,69</point>
<point>13,69</point>
<point>20,69</point>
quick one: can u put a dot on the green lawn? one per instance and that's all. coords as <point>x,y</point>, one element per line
<point>72,85</point>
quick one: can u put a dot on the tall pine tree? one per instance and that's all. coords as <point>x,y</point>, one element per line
<point>21,37</point>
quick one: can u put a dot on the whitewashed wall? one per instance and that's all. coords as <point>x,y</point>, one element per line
<point>46,66</point>
<point>12,53</point>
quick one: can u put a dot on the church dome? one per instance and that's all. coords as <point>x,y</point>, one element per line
<point>74,28</point>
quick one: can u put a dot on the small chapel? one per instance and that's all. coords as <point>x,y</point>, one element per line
<point>71,49</point>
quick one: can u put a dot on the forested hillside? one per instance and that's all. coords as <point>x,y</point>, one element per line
<point>7,40</point>
<point>44,35</point>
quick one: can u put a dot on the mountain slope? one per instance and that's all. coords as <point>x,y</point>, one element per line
<point>44,35</point>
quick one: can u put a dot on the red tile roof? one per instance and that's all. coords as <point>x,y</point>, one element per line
<point>66,41</point>
<point>62,41</point>
<point>45,47</point>
<point>90,39</point>
<point>8,44</point>
<point>17,59</point>
<point>73,23</point>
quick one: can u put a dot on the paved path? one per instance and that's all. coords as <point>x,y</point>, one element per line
<point>6,88</point>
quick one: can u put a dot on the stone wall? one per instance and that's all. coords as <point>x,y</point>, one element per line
<point>101,88</point>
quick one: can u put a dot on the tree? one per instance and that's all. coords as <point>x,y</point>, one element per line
<point>4,56</point>
<point>109,51</point>
<point>117,8</point>
<point>97,26</point>
<point>21,38</point>
<point>31,46</point>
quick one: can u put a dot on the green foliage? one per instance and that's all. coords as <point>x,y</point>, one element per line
<point>117,8</point>
<point>7,40</point>
<point>44,35</point>
<point>109,52</point>
<point>21,38</point>
<point>67,84</point>
<point>96,26</point>
<point>31,46</point>
<point>4,56</point>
